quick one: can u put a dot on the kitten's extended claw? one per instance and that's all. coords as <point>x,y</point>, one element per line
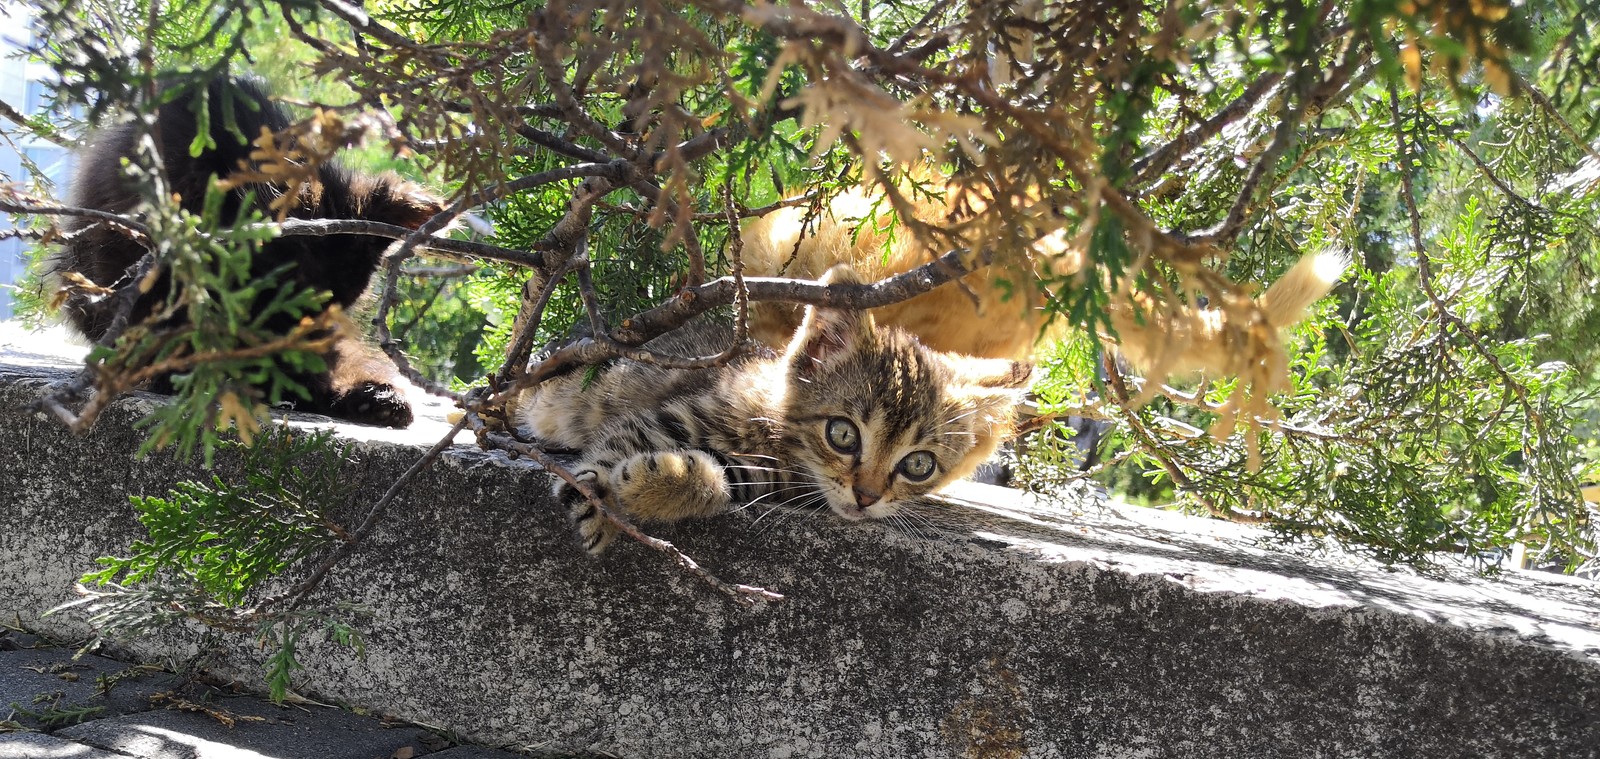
<point>595,531</point>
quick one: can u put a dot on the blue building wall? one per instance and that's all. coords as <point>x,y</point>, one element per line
<point>22,86</point>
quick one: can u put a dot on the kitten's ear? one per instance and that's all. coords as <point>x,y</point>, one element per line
<point>988,391</point>
<point>988,372</point>
<point>828,333</point>
<point>393,200</point>
<point>990,414</point>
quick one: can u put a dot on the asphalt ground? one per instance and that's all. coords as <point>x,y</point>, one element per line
<point>58,704</point>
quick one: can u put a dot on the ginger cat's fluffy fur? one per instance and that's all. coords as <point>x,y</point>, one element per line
<point>995,319</point>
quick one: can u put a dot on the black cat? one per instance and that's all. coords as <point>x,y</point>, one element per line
<point>359,384</point>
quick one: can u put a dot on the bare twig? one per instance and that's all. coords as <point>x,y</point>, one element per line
<point>934,11</point>
<point>393,347</point>
<point>721,216</point>
<point>528,319</point>
<point>723,291</point>
<point>296,596</point>
<point>1148,441</point>
<point>440,272</point>
<point>1287,133</point>
<point>1158,161</point>
<point>363,24</point>
<point>586,291</point>
<point>121,306</point>
<point>442,247</point>
<point>11,113</point>
<point>1483,168</point>
<point>15,202</point>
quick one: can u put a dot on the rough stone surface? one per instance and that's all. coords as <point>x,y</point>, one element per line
<point>473,752</point>
<point>1016,630</point>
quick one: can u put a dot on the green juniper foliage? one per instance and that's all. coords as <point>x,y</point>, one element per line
<point>275,513</point>
<point>226,383</point>
<point>213,546</point>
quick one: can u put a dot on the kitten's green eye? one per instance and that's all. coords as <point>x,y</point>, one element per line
<point>917,466</point>
<point>843,435</point>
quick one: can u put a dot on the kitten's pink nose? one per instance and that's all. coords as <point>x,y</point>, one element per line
<point>865,497</point>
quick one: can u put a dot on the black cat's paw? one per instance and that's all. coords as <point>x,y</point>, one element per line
<point>373,403</point>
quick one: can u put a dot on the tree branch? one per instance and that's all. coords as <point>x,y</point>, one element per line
<point>1158,161</point>
<point>723,291</point>
<point>744,595</point>
<point>11,113</point>
<point>443,247</point>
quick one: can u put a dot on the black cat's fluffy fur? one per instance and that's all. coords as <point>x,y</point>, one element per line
<point>360,382</point>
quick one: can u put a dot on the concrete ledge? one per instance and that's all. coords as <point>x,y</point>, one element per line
<point>1019,630</point>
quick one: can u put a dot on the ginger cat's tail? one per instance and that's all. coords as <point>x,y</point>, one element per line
<point>1286,301</point>
<point>1168,342</point>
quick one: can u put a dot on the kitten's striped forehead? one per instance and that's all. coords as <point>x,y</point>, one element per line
<point>909,387</point>
<point>895,382</point>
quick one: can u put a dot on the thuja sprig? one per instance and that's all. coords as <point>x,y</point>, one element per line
<point>226,536</point>
<point>211,545</point>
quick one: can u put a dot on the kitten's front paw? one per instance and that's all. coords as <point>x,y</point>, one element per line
<point>666,486</point>
<point>373,403</point>
<point>595,532</point>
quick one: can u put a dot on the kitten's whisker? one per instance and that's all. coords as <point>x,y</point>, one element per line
<point>789,487</point>
<point>754,455</point>
<point>755,468</point>
<point>959,417</point>
<point>917,523</point>
<point>767,484</point>
<point>900,524</point>
<point>809,489</point>
<point>779,506</point>
<point>769,494</point>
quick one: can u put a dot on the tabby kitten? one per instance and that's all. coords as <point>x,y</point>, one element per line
<point>860,417</point>
<point>360,383</point>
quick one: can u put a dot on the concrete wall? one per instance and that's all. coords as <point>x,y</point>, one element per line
<point>1020,630</point>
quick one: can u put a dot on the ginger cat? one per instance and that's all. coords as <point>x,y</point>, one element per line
<point>1008,318</point>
